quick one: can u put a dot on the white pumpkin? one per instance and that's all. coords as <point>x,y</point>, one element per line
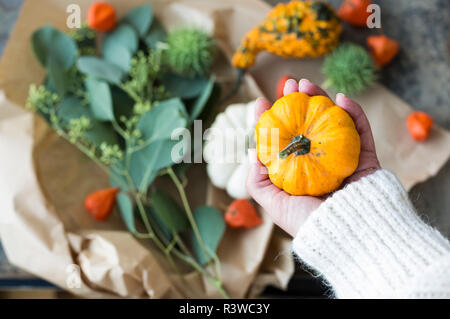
<point>226,147</point>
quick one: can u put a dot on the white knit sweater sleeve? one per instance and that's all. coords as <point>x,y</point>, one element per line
<point>368,242</point>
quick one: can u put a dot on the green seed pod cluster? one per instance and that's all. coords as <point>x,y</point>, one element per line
<point>190,51</point>
<point>349,69</point>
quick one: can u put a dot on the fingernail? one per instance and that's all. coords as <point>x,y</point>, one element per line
<point>302,82</point>
<point>340,95</point>
<point>290,82</point>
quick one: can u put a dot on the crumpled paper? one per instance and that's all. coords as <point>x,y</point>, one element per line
<point>44,179</point>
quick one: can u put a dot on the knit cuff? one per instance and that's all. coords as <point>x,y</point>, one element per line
<point>367,240</point>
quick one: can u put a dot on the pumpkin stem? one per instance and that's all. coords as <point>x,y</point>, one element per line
<point>299,145</point>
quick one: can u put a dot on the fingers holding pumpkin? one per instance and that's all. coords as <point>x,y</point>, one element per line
<point>258,172</point>
<point>290,86</point>
<point>258,182</point>
<point>288,212</point>
<point>360,119</point>
<point>303,86</point>
<point>259,185</point>
<point>307,87</point>
<point>261,105</point>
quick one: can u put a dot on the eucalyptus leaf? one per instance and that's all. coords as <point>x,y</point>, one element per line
<point>201,101</point>
<point>57,76</point>
<point>49,85</point>
<point>158,223</point>
<point>117,55</point>
<point>169,211</point>
<point>72,107</point>
<point>184,87</point>
<point>211,227</point>
<point>100,68</point>
<point>126,211</point>
<point>124,35</point>
<point>146,162</point>
<point>100,100</point>
<point>140,18</point>
<point>155,34</point>
<point>48,41</point>
<point>101,132</point>
<point>162,119</point>
<point>122,102</point>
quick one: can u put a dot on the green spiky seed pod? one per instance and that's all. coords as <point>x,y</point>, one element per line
<point>349,69</point>
<point>190,51</point>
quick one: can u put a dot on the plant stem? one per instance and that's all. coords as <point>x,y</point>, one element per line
<point>190,216</point>
<point>141,146</point>
<point>143,236</point>
<point>152,235</point>
<point>188,258</point>
<point>119,130</point>
<point>188,253</point>
<point>187,208</point>
<point>215,282</point>
<point>131,93</point>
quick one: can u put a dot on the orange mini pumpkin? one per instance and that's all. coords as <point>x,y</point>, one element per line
<point>308,144</point>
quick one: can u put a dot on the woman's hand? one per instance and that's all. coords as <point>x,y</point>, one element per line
<point>290,212</point>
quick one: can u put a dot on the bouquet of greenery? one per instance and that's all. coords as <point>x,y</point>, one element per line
<point>118,95</point>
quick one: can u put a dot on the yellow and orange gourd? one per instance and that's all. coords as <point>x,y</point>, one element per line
<point>297,29</point>
<point>308,144</point>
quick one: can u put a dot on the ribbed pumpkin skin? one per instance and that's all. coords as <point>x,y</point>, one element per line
<point>334,144</point>
<point>296,29</point>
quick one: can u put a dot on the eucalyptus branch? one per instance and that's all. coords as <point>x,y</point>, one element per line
<point>119,130</point>
<point>141,146</point>
<point>143,236</point>
<point>136,98</point>
<point>215,282</point>
<point>187,253</point>
<point>169,248</point>
<point>190,216</point>
<point>145,87</point>
<point>155,238</point>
